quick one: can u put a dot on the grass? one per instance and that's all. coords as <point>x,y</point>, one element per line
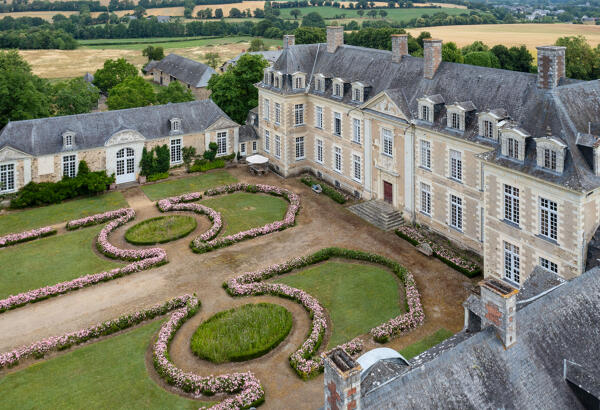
<point>193,183</point>
<point>19,221</point>
<point>109,374</point>
<point>242,333</point>
<point>49,261</point>
<point>396,15</point>
<point>426,343</point>
<point>160,230</point>
<point>169,42</point>
<point>243,210</point>
<point>357,297</point>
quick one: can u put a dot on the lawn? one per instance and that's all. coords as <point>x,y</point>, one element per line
<point>169,42</point>
<point>49,261</point>
<point>243,210</point>
<point>19,221</point>
<point>426,343</point>
<point>194,183</point>
<point>109,374</point>
<point>395,15</point>
<point>160,230</point>
<point>357,296</point>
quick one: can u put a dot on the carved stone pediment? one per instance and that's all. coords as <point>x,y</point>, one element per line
<point>124,137</point>
<point>383,103</point>
<point>222,123</point>
<point>10,154</point>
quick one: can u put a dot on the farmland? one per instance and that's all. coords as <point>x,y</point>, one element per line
<point>392,14</point>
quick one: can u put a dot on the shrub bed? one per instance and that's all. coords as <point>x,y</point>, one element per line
<point>242,333</point>
<point>160,230</point>
<point>414,236</point>
<point>327,190</point>
<point>157,176</point>
<point>14,238</point>
<point>204,165</point>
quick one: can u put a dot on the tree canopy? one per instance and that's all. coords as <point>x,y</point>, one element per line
<point>313,19</point>
<point>75,96</point>
<point>131,92</point>
<point>175,92</point>
<point>310,35</point>
<point>581,60</point>
<point>113,72</point>
<point>154,53</point>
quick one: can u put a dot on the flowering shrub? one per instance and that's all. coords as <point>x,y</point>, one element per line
<point>41,347</point>
<point>413,235</point>
<point>178,203</point>
<point>246,387</point>
<point>98,218</point>
<point>252,283</point>
<point>15,238</point>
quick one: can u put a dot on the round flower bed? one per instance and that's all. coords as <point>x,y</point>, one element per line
<point>242,333</point>
<point>160,230</point>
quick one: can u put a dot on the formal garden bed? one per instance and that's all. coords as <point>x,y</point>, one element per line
<point>161,229</point>
<point>195,183</point>
<point>242,333</point>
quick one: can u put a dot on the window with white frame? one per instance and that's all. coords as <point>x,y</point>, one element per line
<point>319,84</point>
<point>175,124</point>
<point>488,129</point>
<point>277,146</point>
<point>319,151</point>
<point>356,130</point>
<point>425,198</point>
<point>298,83</point>
<point>356,168</point>
<point>266,77</point>
<point>221,143</point>
<point>319,117</point>
<point>455,121</point>
<point>425,113</point>
<point>426,154</point>
<point>277,113</point>
<point>337,159</point>
<point>299,114</point>
<point>455,165</point>
<point>549,265</point>
<point>7,177</point>
<point>276,83</point>
<point>266,110</point>
<point>550,159</point>
<point>69,166</point>
<point>387,142</point>
<point>357,94</point>
<point>512,146</point>
<point>456,212</point>
<point>176,151</point>
<point>267,141</point>
<point>337,90</point>
<point>548,219</point>
<point>254,146</point>
<point>337,123</point>
<point>68,140</point>
<point>512,262</point>
<point>243,148</point>
<point>511,204</point>
<point>300,148</point>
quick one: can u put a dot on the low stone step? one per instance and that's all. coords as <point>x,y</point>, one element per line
<point>378,213</point>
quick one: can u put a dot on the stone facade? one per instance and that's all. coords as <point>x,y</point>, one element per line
<point>342,381</point>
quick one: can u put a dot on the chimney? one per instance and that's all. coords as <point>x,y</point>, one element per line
<point>399,47</point>
<point>596,151</point>
<point>342,381</point>
<point>289,40</point>
<point>335,38</point>
<point>499,308</point>
<point>432,53</point>
<point>551,66</point>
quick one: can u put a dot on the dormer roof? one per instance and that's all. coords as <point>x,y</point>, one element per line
<point>432,99</point>
<point>466,106</point>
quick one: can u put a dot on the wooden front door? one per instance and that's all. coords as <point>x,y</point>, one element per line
<point>388,196</point>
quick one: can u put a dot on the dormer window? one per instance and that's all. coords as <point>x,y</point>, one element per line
<point>357,96</point>
<point>425,113</point>
<point>319,82</point>
<point>175,125</point>
<point>488,129</point>
<point>358,92</point>
<point>298,83</point>
<point>513,143</point>
<point>550,159</point>
<point>550,153</point>
<point>512,150</point>
<point>454,121</point>
<point>490,123</point>
<point>68,138</point>
<point>338,88</point>
<point>266,76</point>
<point>429,106</point>
<point>458,114</point>
<point>276,83</point>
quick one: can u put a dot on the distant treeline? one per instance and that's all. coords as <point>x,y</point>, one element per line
<point>114,5</point>
<point>36,38</point>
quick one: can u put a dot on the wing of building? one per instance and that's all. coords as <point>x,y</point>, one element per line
<point>504,163</point>
<point>193,74</point>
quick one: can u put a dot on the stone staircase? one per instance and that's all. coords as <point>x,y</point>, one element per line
<point>379,213</point>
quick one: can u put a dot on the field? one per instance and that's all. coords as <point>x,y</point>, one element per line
<point>392,14</point>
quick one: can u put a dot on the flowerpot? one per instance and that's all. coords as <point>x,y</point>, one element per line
<point>112,186</point>
<point>142,179</point>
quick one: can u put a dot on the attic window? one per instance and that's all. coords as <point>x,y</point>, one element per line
<point>425,113</point>
<point>298,82</point>
<point>488,129</point>
<point>512,148</point>
<point>266,78</point>
<point>550,159</point>
<point>357,94</point>
<point>337,90</point>
<point>319,84</point>
<point>175,124</point>
<point>550,154</point>
<point>276,83</point>
<point>68,140</point>
<point>454,121</point>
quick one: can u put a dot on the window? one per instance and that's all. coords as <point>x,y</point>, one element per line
<point>387,141</point>
<point>425,113</point>
<point>319,152</point>
<point>68,140</point>
<point>266,78</point>
<point>267,141</point>
<point>175,124</point>
<point>548,219</point>
<point>426,154</point>
<point>337,123</point>
<point>299,114</point>
<point>548,265</point>
<point>299,148</point>
<point>456,212</point>
<point>511,262</point>
<point>337,90</point>
<point>319,117</point>
<point>356,168</point>
<point>277,146</point>
<point>69,166</point>
<point>266,110</point>
<point>319,84</point>
<point>425,199</point>
<point>513,148</point>
<point>337,155</point>
<point>356,130</point>
<point>277,113</point>
<point>253,146</point>
<point>176,151</point>
<point>222,142</point>
<point>511,204</point>
<point>550,159</point>
<point>455,121</point>
<point>298,82</point>
<point>356,95</point>
<point>488,129</point>
<point>455,165</point>
<point>243,148</point>
<point>7,177</point>
<point>276,84</point>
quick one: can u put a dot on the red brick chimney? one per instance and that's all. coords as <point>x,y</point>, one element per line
<point>342,381</point>
<point>289,40</point>
<point>399,47</point>
<point>551,66</point>
<point>432,53</point>
<point>335,38</point>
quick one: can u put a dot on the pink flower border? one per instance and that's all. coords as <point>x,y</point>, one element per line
<point>178,203</point>
<point>14,238</point>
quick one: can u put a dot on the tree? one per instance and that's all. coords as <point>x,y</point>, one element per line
<point>482,58</point>
<point>175,92</point>
<point>212,59</point>
<point>382,13</point>
<point>295,13</point>
<point>360,12</point>
<point>372,13</point>
<point>112,73</point>
<point>235,13</point>
<point>139,12</point>
<point>581,61</point>
<point>474,47</point>
<point>131,92</point>
<point>256,45</point>
<point>154,53</point>
<point>313,19</point>
<point>75,96</point>
<point>451,53</point>
<point>310,35</point>
<point>234,90</point>
<point>218,13</point>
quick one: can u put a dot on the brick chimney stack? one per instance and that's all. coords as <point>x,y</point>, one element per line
<point>289,40</point>
<point>499,303</point>
<point>399,47</point>
<point>335,38</point>
<point>432,53</point>
<point>342,381</point>
<point>551,66</point>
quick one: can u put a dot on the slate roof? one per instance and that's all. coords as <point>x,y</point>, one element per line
<point>567,110</point>
<point>43,136</point>
<point>270,55</point>
<point>477,372</point>
<point>185,70</point>
<point>247,133</point>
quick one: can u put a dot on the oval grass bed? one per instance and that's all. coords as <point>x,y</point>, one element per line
<point>160,229</point>
<point>243,333</point>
